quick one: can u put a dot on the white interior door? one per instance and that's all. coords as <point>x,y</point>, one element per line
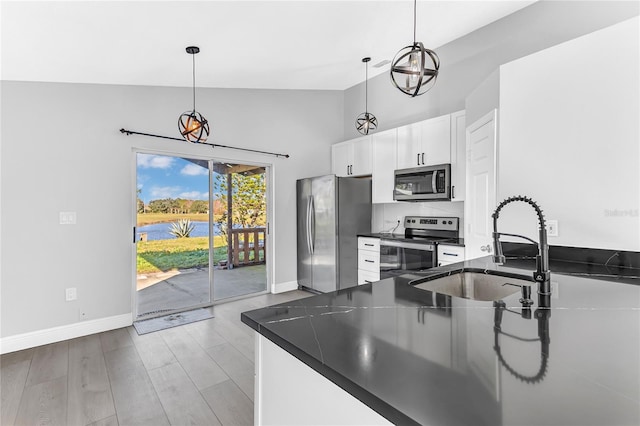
<point>481,186</point>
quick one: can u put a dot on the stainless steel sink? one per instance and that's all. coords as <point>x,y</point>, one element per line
<point>475,286</point>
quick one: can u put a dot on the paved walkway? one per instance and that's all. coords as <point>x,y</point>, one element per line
<point>182,289</point>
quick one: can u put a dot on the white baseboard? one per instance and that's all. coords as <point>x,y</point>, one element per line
<point>282,287</point>
<point>64,332</point>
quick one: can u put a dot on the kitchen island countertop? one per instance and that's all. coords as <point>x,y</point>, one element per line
<point>418,357</point>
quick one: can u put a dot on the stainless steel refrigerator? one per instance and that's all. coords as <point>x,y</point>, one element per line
<point>331,212</point>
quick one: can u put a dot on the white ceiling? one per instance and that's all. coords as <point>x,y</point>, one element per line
<point>244,44</point>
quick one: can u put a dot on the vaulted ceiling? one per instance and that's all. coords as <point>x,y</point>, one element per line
<point>244,44</point>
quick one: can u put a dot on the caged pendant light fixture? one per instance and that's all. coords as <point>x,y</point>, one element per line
<point>366,121</point>
<point>192,125</point>
<point>414,69</point>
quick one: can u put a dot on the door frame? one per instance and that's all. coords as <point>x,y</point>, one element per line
<point>269,168</point>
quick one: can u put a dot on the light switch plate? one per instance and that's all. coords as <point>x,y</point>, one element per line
<point>71,294</point>
<point>67,218</point>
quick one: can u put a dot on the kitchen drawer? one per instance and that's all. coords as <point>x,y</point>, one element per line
<point>450,254</point>
<point>367,243</point>
<point>369,261</point>
<point>366,277</point>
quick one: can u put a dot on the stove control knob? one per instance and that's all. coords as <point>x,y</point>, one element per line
<point>450,222</point>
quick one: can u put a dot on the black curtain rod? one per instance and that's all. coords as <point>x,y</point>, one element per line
<point>212,145</point>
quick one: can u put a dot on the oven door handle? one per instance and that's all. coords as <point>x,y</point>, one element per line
<point>402,244</point>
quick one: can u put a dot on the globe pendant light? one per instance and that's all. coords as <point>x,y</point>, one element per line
<point>414,69</point>
<point>191,124</point>
<point>366,122</point>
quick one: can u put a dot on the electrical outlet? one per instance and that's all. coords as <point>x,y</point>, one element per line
<point>554,290</point>
<point>67,218</point>
<point>552,228</point>
<point>71,294</point>
<point>82,315</point>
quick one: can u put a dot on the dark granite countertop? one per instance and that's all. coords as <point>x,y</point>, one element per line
<point>418,357</point>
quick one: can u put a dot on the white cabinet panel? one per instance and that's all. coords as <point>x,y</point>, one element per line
<point>341,156</point>
<point>458,156</point>
<point>425,143</point>
<point>450,254</point>
<point>361,160</point>
<point>436,140</point>
<point>384,166</point>
<point>366,277</point>
<point>409,146</point>
<point>370,244</point>
<point>352,158</point>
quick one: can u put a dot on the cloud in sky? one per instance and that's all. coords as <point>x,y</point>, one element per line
<point>194,195</point>
<point>158,192</point>
<point>149,161</point>
<point>194,170</point>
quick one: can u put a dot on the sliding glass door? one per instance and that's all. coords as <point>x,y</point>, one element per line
<point>201,233</point>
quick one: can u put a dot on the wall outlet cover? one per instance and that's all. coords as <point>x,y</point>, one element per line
<point>71,294</point>
<point>552,228</point>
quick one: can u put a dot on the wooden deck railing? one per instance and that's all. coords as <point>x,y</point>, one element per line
<point>246,242</point>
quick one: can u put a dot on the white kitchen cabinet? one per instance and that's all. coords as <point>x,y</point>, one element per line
<point>352,158</point>
<point>450,254</point>
<point>458,156</point>
<point>383,145</point>
<point>368,260</point>
<point>424,143</point>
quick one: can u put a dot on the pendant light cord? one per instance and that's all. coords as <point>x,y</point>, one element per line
<point>414,21</point>
<point>366,86</point>
<point>193,56</point>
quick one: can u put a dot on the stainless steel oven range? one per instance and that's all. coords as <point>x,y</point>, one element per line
<point>416,250</point>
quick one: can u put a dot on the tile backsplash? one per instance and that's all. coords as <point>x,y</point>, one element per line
<point>385,216</point>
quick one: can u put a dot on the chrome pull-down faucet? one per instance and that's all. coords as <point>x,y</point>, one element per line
<point>541,275</point>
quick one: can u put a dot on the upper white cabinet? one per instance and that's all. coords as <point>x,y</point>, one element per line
<point>352,158</point>
<point>424,143</point>
<point>458,156</point>
<point>383,145</point>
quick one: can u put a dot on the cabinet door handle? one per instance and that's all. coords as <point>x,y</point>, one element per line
<point>369,261</point>
<point>418,159</point>
<point>352,169</point>
<point>450,254</point>
<point>423,158</point>
<point>347,170</point>
<point>368,245</point>
<point>453,191</point>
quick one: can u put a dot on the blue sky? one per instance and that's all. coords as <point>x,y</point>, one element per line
<point>160,176</point>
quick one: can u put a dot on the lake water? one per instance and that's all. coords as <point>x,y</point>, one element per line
<point>160,231</point>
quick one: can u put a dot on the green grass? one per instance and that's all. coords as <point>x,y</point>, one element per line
<point>179,253</point>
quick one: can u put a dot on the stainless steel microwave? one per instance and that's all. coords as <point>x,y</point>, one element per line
<point>429,183</point>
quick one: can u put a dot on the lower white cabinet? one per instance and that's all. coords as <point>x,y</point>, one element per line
<point>450,254</point>
<point>368,260</point>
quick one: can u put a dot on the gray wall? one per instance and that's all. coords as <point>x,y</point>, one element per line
<point>468,61</point>
<point>62,151</point>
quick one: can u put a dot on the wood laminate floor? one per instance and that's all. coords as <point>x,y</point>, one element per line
<point>196,374</point>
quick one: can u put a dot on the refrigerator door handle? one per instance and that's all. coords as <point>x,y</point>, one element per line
<point>309,224</point>
<point>312,227</point>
